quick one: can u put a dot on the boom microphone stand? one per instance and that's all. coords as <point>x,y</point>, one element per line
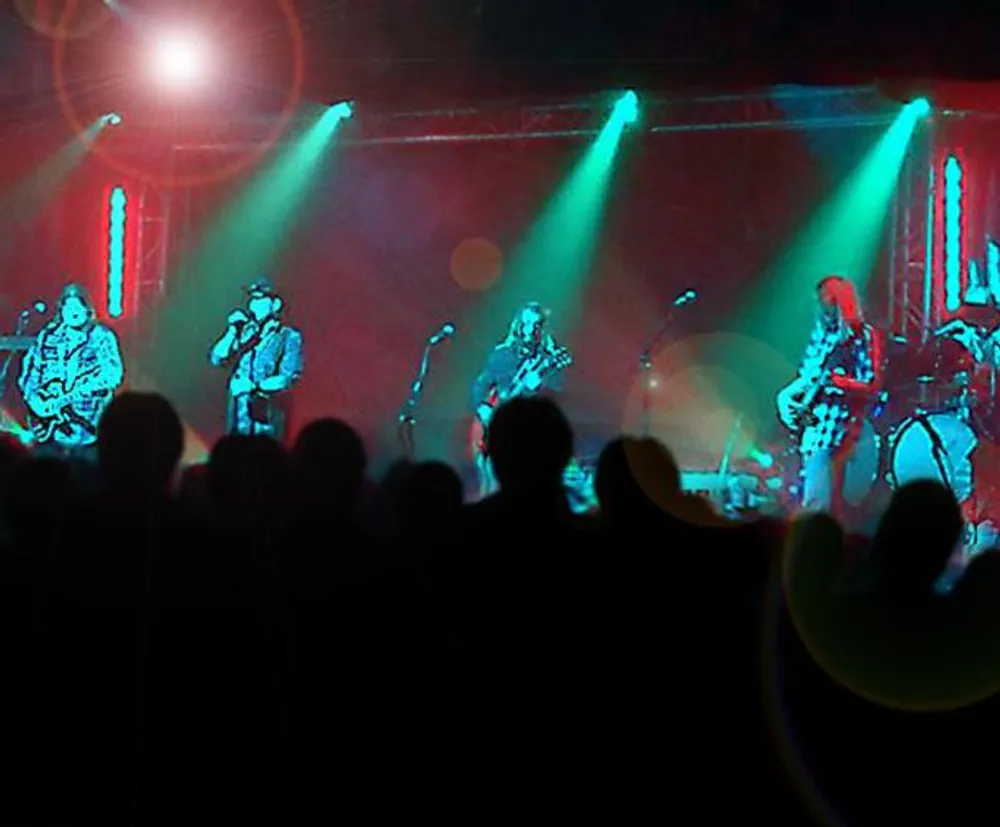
<point>407,415</point>
<point>646,360</point>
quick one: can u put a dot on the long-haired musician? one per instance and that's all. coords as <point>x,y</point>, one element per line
<point>527,361</point>
<point>70,374</point>
<point>837,381</point>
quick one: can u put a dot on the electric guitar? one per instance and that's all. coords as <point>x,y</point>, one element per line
<point>797,407</point>
<point>54,404</point>
<point>542,366</point>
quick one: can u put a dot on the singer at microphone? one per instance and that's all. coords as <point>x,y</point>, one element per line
<point>266,355</point>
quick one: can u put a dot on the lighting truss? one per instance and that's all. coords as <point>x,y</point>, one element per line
<point>765,109</point>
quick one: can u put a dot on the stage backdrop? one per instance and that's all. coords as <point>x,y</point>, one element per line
<point>382,261</point>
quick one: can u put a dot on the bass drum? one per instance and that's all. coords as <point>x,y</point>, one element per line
<point>862,468</point>
<point>934,447</point>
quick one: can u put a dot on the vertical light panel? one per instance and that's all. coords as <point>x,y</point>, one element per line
<point>952,234</point>
<point>929,321</point>
<point>993,269</point>
<point>117,216</point>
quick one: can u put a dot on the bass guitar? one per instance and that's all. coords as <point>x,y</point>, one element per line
<point>541,367</point>
<point>53,405</point>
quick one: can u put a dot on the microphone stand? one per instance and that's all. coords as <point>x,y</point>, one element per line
<point>407,414</point>
<point>645,368</point>
<point>22,323</point>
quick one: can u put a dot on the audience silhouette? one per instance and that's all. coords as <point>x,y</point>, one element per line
<point>271,637</point>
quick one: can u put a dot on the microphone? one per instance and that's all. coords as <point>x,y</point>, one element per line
<point>687,297</point>
<point>446,332</point>
<point>238,317</point>
<point>37,307</point>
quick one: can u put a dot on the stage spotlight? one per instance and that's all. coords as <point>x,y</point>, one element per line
<point>111,119</point>
<point>342,110</point>
<point>627,107</point>
<point>180,60</point>
<point>921,107</point>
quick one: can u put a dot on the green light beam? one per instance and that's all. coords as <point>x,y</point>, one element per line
<point>842,238</point>
<point>28,196</point>
<point>552,264</point>
<point>247,240</point>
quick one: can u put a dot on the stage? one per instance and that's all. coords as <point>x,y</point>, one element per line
<point>679,271</point>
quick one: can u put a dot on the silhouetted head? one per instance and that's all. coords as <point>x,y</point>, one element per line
<point>248,479</point>
<point>530,443</point>
<point>192,490</point>
<point>919,531</point>
<point>329,461</point>
<point>430,494</point>
<point>635,477</point>
<point>140,441</point>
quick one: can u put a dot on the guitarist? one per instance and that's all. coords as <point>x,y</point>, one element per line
<point>837,382</point>
<point>70,374</point>
<point>525,363</point>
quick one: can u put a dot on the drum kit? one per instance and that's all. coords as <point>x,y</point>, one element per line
<point>937,411</point>
<point>937,408</point>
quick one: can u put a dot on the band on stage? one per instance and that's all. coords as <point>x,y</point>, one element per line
<point>850,421</point>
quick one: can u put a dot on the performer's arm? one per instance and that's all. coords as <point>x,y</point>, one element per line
<point>973,339</point>
<point>225,347</point>
<point>555,381</point>
<point>991,350</point>
<point>811,364</point>
<point>110,371</point>
<point>486,379</point>
<point>289,367</point>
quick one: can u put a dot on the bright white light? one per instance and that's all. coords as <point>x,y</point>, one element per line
<point>180,60</point>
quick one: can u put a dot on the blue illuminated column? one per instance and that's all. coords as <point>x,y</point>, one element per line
<point>993,269</point>
<point>116,252</point>
<point>952,234</point>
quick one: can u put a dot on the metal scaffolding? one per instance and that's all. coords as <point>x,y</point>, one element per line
<point>776,108</point>
<point>152,248</point>
<point>911,243</point>
<point>909,297</point>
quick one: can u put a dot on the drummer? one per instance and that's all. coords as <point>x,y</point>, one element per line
<point>983,346</point>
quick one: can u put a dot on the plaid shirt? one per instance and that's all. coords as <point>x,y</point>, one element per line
<point>833,416</point>
<point>88,362</point>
